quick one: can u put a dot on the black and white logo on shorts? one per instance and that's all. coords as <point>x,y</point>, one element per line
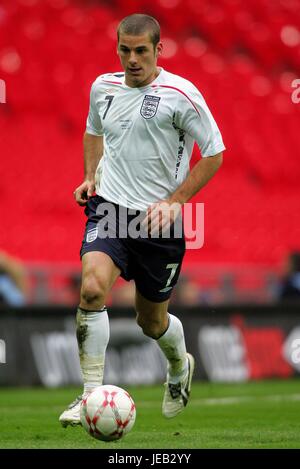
<point>92,235</point>
<point>149,106</point>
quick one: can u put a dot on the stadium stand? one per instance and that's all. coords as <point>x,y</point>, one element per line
<point>243,57</point>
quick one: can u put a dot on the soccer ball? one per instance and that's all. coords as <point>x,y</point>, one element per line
<point>107,413</point>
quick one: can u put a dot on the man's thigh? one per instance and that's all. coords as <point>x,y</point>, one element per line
<point>149,308</point>
<point>155,268</point>
<point>97,240</point>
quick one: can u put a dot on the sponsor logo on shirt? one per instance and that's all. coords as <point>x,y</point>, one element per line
<point>111,91</point>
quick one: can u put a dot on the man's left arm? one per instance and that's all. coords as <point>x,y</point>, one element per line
<point>164,212</point>
<point>201,173</point>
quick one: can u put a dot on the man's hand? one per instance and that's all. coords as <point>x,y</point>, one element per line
<point>84,192</point>
<point>160,216</point>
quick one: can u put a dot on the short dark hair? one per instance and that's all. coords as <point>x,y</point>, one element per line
<point>139,24</point>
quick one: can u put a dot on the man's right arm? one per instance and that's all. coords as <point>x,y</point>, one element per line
<point>93,151</point>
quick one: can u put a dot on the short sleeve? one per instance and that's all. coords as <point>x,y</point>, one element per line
<point>93,123</point>
<point>194,116</point>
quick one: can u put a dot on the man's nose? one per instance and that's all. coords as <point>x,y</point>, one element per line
<point>132,58</point>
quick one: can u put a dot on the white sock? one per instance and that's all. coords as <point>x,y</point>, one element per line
<point>92,337</point>
<point>172,344</point>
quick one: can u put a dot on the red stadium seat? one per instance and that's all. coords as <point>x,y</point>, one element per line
<point>241,58</point>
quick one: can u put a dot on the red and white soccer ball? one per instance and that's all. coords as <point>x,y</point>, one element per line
<point>108,413</point>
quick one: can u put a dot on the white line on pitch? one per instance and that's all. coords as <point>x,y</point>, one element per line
<point>234,400</point>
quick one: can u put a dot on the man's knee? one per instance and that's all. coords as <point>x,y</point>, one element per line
<point>153,328</point>
<point>93,289</point>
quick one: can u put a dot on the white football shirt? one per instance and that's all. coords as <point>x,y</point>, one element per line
<point>149,134</point>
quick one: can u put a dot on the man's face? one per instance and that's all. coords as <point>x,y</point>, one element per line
<point>138,58</point>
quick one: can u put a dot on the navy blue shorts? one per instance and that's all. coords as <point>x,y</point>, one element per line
<point>153,263</point>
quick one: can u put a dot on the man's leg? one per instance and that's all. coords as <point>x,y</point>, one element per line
<point>167,330</point>
<point>98,276</point>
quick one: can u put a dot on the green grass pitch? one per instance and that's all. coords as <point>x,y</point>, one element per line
<point>251,415</point>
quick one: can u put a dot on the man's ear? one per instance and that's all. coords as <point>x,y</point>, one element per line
<point>159,49</point>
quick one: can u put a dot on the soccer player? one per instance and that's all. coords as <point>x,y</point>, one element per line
<point>141,128</point>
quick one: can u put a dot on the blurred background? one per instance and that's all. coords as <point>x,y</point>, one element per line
<point>244,57</point>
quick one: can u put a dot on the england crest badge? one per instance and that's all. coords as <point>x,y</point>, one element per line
<point>149,106</point>
<point>92,235</point>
